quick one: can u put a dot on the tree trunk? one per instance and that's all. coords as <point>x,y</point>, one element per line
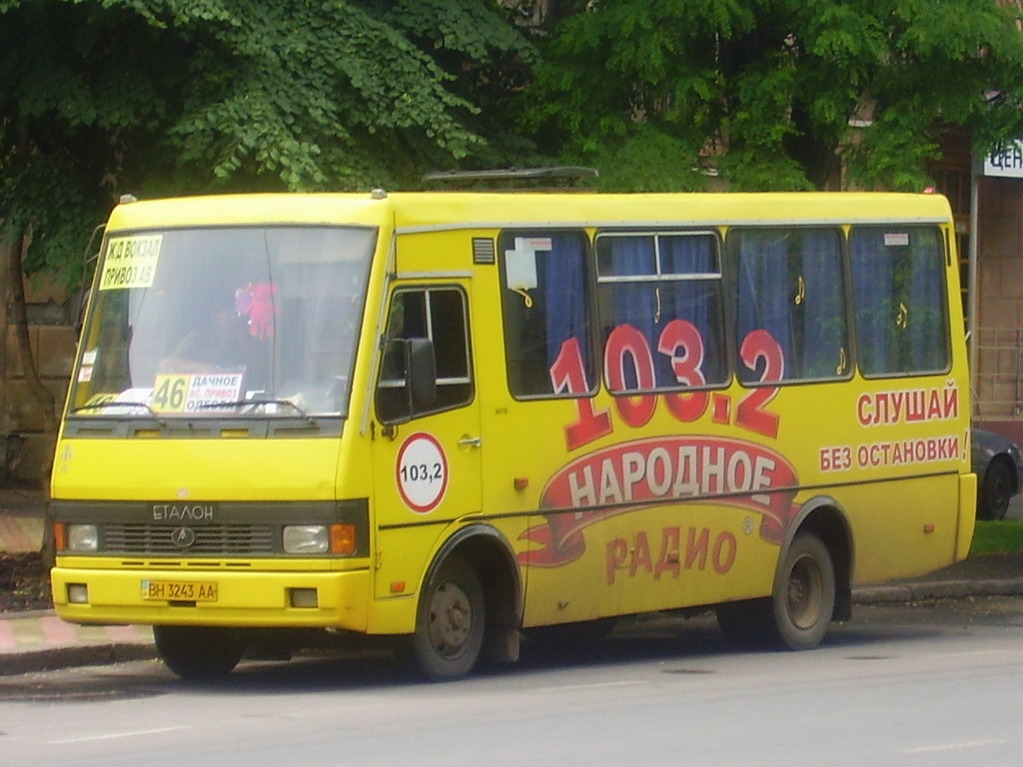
<point>17,310</point>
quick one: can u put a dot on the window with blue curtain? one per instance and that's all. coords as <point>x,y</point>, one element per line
<point>647,280</point>
<point>545,303</point>
<point>901,314</point>
<point>790,283</point>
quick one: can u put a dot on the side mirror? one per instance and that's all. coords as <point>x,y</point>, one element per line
<point>420,374</point>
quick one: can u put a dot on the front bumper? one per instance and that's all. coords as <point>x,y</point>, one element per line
<point>256,599</point>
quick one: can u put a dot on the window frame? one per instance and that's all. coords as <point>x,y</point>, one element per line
<point>592,370</point>
<point>943,261</point>
<point>469,379</point>
<point>720,276</point>
<point>849,338</point>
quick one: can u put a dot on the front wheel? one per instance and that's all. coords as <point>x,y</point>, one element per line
<point>450,622</point>
<point>199,652</point>
<point>804,594</point>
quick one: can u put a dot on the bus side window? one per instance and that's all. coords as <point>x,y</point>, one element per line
<point>899,292</point>
<point>664,290</point>
<point>438,314</point>
<point>546,303</point>
<point>791,284</point>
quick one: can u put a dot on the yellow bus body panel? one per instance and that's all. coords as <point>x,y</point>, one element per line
<point>200,469</point>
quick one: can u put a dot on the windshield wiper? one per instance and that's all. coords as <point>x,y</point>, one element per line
<point>255,403</point>
<point>120,403</point>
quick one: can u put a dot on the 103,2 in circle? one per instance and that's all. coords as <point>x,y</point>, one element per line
<point>422,472</point>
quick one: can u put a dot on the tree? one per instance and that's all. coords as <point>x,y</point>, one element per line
<point>101,97</point>
<point>775,94</point>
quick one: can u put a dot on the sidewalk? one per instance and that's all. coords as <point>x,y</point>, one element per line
<point>40,641</point>
<point>37,641</point>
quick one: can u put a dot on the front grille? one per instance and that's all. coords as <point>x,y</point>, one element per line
<point>134,538</point>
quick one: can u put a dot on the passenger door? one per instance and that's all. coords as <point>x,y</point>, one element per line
<point>427,444</point>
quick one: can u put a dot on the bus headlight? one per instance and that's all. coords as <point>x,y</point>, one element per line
<point>82,538</point>
<point>305,539</point>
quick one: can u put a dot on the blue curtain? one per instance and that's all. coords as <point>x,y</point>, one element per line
<point>791,285</point>
<point>824,317</point>
<point>874,296</point>
<point>564,294</point>
<point>650,305</point>
<point>698,301</point>
<point>632,303</point>
<point>927,321</point>
<point>899,294</point>
<point>765,292</point>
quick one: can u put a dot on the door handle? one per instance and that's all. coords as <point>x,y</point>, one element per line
<point>470,442</point>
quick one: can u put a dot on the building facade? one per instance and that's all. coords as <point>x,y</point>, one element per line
<point>993,287</point>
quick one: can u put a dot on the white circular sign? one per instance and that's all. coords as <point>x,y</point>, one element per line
<point>422,472</point>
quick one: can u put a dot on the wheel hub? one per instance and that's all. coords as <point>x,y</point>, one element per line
<point>805,593</point>
<point>450,619</point>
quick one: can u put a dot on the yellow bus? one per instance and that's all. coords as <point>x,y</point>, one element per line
<point>454,417</point>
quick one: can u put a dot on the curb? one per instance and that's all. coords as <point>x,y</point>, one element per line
<point>37,640</point>
<point>914,592</point>
<point>55,658</point>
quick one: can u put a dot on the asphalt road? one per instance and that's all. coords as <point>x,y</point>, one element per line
<point>927,684</point>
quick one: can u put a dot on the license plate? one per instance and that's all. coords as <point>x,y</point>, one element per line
<point>180,591</point>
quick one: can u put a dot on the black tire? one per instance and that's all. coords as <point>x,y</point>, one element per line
<point>803,600</point>
<point>199,652</point>
<point>996,491</point>
<point>450,622</point>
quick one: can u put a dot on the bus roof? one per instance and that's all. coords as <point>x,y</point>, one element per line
<point>426,211</point>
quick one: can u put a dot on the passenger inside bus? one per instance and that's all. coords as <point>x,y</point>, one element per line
<point>225,341</point>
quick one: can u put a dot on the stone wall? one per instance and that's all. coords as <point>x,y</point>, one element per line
<point>998,398</point>
<point>24,447</point>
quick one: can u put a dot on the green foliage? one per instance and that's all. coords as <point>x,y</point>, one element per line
<point>892,153</point>
<point>748,169</point>
<point>646,161</point>
<point>100,97</point>
<point>776,93</point>
<point>480,31</point>
<point>997,537</point>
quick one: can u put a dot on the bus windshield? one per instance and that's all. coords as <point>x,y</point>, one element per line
<point>238,321</point>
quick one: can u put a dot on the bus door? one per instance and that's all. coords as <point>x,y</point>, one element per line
<point>427,447</point>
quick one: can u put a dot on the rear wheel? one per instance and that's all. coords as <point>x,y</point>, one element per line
<point>450,622</point>
<point>199,652</point>
<point>797,614</point>
<point>804,594</point>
